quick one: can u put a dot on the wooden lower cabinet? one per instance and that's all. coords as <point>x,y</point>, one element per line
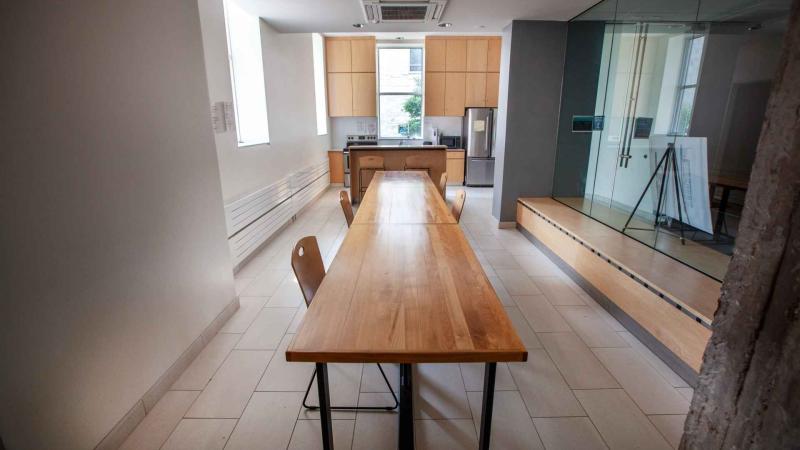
<point>336,166</point>
<point>455,167</point>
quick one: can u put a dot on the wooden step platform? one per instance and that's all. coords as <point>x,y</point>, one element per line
<point>669,301</point>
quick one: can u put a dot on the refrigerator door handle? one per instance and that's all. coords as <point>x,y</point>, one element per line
<point>488,134</point>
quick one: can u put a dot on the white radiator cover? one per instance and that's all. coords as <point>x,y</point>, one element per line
<point>254,218</point>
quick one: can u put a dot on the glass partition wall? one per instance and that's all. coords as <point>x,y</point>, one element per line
<point>661,111</point>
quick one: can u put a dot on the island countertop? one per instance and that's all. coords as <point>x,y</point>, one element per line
<point>430,158</point>
<point>396,147</point>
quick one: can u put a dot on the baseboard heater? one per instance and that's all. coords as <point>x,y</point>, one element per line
<point>253,219</point>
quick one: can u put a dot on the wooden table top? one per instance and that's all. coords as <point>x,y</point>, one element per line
<point>402,197</point>
<point>406,293</point>
<point>402,290</point>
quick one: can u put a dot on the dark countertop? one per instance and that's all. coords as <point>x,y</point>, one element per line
<point>397,147</point>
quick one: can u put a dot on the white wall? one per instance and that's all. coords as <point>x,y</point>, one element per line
<point>289,77</point>
<point>113,241</point>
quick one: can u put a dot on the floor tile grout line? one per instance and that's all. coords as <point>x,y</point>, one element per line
<point>249,399</point>
<point>623,388</point>
<point>209,378</point>
<point>659,429</point>
<point>333,249</point>
<point>653,366</point>
<point>172,430</point>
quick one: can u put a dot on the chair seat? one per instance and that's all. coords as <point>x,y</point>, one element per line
<point>417,163</point>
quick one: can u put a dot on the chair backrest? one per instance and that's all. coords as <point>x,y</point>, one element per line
<point>370,162</point>
<point>417,162</point>
<point>308,267</point>
<point>458,204</point>
<point>443,185</point>
<point>347,207</point>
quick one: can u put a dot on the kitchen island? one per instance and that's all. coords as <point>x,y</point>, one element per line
<point>433,157</point>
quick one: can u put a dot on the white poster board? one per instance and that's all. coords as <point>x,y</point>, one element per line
<point>692,161</point>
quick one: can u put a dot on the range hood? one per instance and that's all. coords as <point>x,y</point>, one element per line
<point>403,11</point>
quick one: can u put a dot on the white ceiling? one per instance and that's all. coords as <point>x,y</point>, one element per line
<point>467,16</point>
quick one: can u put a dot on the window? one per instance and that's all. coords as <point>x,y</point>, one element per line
<point>319,83</point>
<point>686,90</point>
<point>400,92</point>
<point>247,75</point>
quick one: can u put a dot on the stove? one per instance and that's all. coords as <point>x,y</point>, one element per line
<point>355,139</point>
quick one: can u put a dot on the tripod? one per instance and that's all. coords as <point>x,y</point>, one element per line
<point>669,163</point>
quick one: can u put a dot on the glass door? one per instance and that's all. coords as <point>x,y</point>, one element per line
<point>648,104</point>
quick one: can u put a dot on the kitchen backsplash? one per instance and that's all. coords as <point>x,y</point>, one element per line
<point>447,126</point>
<point>342,126</point>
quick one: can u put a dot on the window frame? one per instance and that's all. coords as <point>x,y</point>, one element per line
<point>320,83</point>
<point>379,94</point>
<point>226,4</point>
<point>683,85</point>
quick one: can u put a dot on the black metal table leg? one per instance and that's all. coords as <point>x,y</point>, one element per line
<point>406,434</point>
<point>488,403</point>
<point>324,406</point>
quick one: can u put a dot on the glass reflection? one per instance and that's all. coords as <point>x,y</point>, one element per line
<point>661,113</point>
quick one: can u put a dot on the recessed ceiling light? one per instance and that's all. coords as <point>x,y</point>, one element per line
<point>445,25</point>
<point>481,26</point>
<point>358,25</point>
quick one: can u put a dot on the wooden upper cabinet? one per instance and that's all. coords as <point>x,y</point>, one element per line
<point>350,63</point>
<point>338,56</point>
<point>434,93</point>
<point>492,89</point>
<point>493,55</point>
<point>477,52</point>
<point>435,51</point>
<point>456,55</point>
<point>454,93</point>
<point>364,94</point>
<point>340,94</point>
<point>475,92</point>
<point>363,54</point>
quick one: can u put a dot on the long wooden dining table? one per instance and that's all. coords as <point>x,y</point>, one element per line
<point>405,288</point>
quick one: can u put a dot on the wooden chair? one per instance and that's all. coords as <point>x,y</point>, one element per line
<point>443,185</point>
<point>458,204</point>
<point>418,163</point>
<point>310,271</point>
<point>368,165</point>
<point>347,207</point>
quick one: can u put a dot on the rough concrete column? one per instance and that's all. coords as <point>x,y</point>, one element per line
<point>748,396</point>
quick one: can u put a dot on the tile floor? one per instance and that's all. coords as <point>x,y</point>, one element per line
<point>587,384</point>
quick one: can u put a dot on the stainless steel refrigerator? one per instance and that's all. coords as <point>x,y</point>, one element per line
<point>479,124</point>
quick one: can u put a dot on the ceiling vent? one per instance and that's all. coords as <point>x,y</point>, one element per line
<point>403,11</point>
